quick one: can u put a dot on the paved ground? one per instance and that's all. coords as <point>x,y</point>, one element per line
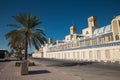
<point>39,72</point>
<point>3,64</point>
<point>86,71</point>
<point>48,69</point>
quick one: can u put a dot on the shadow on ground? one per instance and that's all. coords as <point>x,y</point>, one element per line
<point>5,60</point>
<point>70,64</point>
<point>38,72</point>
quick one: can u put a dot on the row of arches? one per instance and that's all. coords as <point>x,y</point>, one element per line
<point>111,54</point>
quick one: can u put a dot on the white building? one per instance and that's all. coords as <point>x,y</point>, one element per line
<point>94,44</point>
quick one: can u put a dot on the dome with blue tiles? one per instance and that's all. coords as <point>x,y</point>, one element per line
<point>103,29</point>
<point>108,28</point>
<point>96,31</point>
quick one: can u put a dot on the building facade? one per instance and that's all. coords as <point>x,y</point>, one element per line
<point>94,44</point>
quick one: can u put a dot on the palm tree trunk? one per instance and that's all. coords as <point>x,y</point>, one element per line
<point>26,47</point>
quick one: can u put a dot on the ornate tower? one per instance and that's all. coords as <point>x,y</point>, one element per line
<point>72,30</point>
<point>50,41</point>
<point>92,22</point>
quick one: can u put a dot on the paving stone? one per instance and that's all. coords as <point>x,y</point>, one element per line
<point>38,72</point>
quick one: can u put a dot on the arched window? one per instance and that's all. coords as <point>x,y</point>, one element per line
<point>117,37</point>
<point>108,38</point>
<point>90,54</point>
<point>111,38</point>
<point>98,54</point>
<point>87,32</point>
<point>107,54</point>
<point>78,55</point>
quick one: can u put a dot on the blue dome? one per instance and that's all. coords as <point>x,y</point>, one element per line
<point>103,29</point>
<point>108,28</point>
<point>96,31</point>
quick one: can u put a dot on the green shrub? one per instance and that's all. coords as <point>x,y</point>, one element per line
<point>31,64</point>
<point>18,64</point>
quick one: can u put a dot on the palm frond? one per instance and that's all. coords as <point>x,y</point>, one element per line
<point>14,25</point>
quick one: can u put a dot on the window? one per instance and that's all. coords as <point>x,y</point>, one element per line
<point>73,55</point>
<point>77,54</point>
<point>109,38</point>
<point>107,54</point>
<point>87,32</point>
<point>90,54</point>
<point>83,54</point>
<point>67,38</point>
<point>117,37</point>
<point>98,54</point>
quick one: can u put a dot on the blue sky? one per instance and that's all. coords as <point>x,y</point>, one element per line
<point>57,15</point>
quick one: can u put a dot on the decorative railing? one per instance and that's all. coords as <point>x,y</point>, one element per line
<point>90,42</point>
<point>88,47</point>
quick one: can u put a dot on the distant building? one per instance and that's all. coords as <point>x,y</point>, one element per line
<point>94,44</point>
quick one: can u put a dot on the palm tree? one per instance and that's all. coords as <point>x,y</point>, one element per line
<point>16,42</point>
<point>27,33</point>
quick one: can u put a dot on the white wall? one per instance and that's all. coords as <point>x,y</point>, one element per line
<point>111,53</point>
